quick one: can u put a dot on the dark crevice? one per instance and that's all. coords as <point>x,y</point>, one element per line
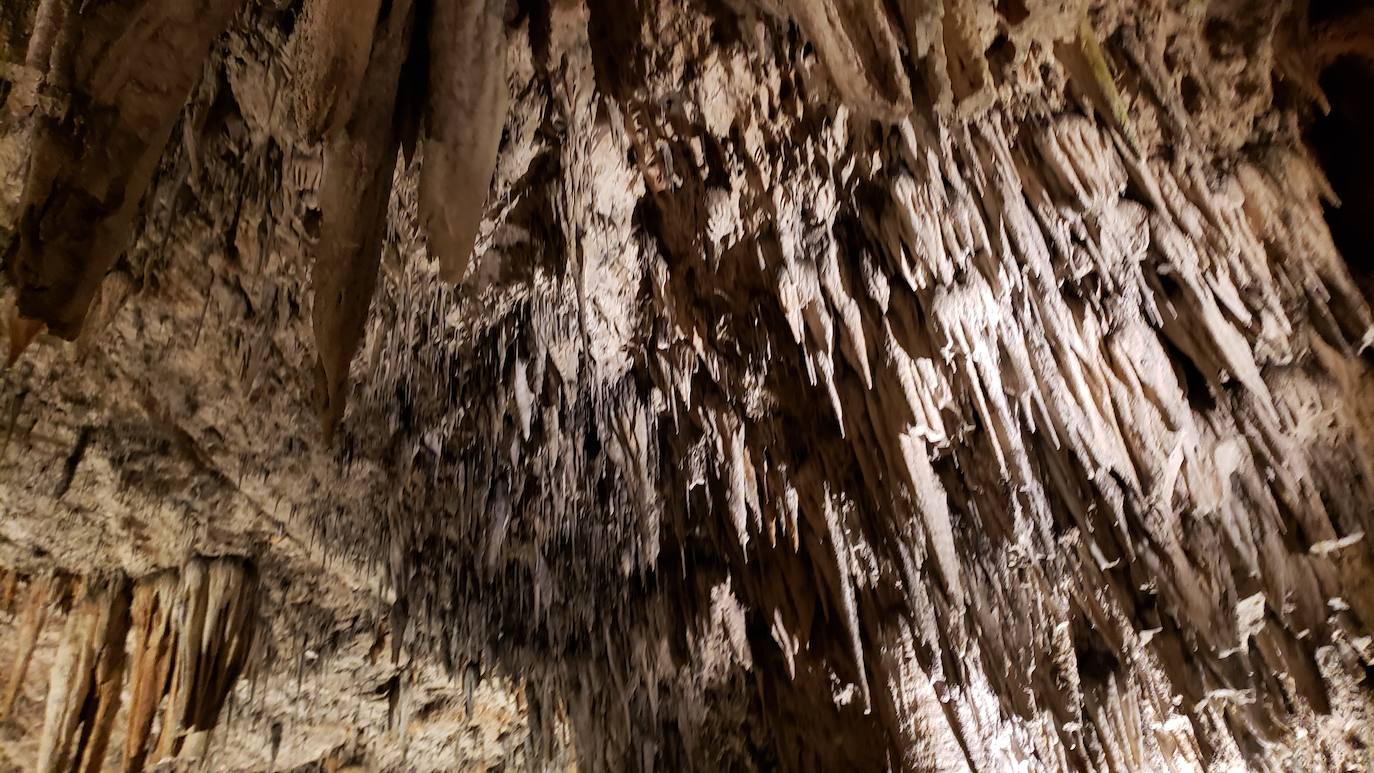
<point>1325,10</point>
<point>1196,388</point>
<point>1341,140</point>
<point>1014,11</point>
<point>73,461</point>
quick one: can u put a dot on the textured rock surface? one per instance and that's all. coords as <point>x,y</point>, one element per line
<point>834,384</point>
<point>335,705</point>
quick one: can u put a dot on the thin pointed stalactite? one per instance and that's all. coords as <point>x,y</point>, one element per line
<point>150,668</point>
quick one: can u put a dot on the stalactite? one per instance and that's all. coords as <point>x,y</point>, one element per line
<point>87,174</point>
<point>843,384</point>
<point>859,43</point>
<point>329,55</point>
<point>215,619</point>
<point>360,159</point>
<point>22,332</point>
<point>154,640</point>
<point>43,593</point>
<point>87,676</point>
<point>465,111</point>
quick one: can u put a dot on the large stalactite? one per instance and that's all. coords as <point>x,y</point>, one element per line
<point>813,384</point>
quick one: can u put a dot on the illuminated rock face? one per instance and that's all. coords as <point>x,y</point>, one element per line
<point>815,384</point>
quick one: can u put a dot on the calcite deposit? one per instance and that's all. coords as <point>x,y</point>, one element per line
<point>699,384</point>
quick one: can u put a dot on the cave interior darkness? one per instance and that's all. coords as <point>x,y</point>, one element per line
<point>1340,138</point>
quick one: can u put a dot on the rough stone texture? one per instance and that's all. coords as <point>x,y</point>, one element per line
<point>836,384</point>
<point>335,706</point>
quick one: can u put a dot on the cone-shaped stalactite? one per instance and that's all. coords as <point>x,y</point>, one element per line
<point>122,71</point>
<point>359,160</point>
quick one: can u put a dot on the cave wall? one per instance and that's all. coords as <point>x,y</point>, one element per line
<point>833,384</point>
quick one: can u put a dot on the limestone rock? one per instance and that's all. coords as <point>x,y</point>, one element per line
<point>833,384</point>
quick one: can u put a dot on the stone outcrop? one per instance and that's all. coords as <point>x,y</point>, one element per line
<point>833,384</point>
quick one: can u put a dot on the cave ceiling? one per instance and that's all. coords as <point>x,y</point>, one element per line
<point>709,384</point>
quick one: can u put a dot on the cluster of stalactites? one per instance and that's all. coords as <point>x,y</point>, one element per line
<point>121,73</point>
<point>176,642</point>
<point>368,80</point>
<point>1010,372</point>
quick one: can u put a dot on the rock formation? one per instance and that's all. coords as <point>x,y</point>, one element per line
<point>192,635</point>
<point>743,384</point>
